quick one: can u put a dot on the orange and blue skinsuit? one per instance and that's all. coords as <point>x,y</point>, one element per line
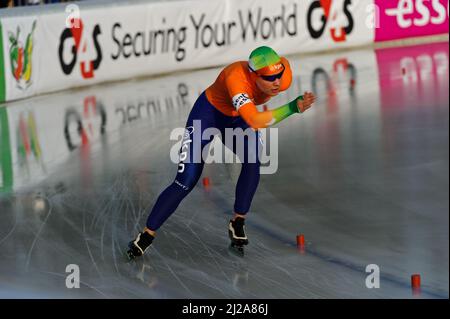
<point>229,103</point>
<point>235,93</point>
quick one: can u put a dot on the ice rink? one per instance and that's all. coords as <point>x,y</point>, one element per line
<point>364,175</point>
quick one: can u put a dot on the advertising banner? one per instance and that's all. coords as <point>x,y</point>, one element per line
<point>332,24</point>
<point>20,67</point>
<point>115,43</point>
<point>59,50</point>
<point>400,19</point>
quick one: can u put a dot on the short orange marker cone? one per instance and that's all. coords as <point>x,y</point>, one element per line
<point>206,181</point>
<point>301,240</point>
<point>301,244</point>
<point>415,281</point>
<point>415,284</point>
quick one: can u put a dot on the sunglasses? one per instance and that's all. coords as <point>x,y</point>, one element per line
<point>271,78</point>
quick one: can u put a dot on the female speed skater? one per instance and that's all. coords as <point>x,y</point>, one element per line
<point>230,102</point>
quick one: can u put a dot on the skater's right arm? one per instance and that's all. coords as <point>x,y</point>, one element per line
<point>257,119</point>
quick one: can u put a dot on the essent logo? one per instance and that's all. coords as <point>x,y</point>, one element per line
<point>80,45</point>
<point>434,13</point>
<point>277,66</point>
<point>240,99</point>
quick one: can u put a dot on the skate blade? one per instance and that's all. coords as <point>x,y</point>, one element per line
<point>129,256</point>
<point>237,250</point>
<point>237,242</point>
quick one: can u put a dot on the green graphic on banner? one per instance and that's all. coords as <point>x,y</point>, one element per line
<point>6,172</point>
<point>2,68</point>
<point>21,55</point>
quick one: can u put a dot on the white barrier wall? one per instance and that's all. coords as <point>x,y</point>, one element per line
<point>41,54</point>
<point>50,51</point>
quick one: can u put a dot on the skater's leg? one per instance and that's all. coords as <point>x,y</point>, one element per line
<point>250,169</point>
<point>202,117</point>
<point>247,182</point>
<point>165,205</point>
<point>246,188</point>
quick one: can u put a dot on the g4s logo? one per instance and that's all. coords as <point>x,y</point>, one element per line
<point>329,13</point>
<point>79,47</point>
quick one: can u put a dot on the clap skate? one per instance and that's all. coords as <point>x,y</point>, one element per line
<point>236,232</point>
<point>138,246</point>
